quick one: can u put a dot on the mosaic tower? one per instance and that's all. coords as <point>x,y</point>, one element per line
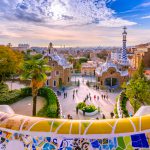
<point>124,60</point>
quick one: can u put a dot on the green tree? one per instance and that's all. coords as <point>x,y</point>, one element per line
<point>138,92</point>
<point>35,69</point>
<point>9,62</point>
<point>138,89</point>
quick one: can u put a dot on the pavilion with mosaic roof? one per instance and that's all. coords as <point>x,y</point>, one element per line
<point>112,74</point>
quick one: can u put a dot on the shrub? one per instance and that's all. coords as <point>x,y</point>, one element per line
<point>123,103</point>
<point>89,108</point>
<point>27,91</point>
<point>81,105</point>
<point>115,111</point>
<point>51,108</point>
<point>10,97</point>
<point>3,88</point>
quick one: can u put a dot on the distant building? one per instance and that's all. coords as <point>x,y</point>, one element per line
<point>114,71</point>
<point>23,47</point>
<point>61,69</point>
<point>88,68</point>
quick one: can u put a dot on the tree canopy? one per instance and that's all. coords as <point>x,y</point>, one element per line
<point>9,61</point>
<point>35,69</point>
<point>138,89</point>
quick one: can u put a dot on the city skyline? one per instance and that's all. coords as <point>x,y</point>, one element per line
<point>74,23</point>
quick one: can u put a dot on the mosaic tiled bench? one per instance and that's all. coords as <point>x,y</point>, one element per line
<point>31,133</point>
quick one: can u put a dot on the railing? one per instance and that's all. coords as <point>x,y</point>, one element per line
<point>22,132</point>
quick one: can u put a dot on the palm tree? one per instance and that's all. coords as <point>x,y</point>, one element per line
<point>35,69</point>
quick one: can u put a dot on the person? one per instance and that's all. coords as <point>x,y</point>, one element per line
<point>83,113</point>
<point>73,96</point>
<point>68,116</point>
<point>76,91</point>
<point>94,97</point>
<point>90,98</point>
<point>97,97</point>
<point>104,116</point>
<point>87,97</point>
<point>77,110</point>
<point>104,96</point>
<point>64,95</point>
<point>107,97</point>
<point>73,91</point>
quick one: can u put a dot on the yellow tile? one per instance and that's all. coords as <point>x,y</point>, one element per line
<point>124,126</point>
<point>65,128</point>
<point>42,126</point>
<point>99,128</point>
<point>75,128</point>
<point>145,122</point>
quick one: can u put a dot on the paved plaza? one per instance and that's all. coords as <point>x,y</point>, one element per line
<point>68,105</point>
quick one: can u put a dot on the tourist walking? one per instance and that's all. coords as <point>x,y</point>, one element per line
<point>104,96</point>
<point>97,97</point>
<point>64,95</point>
<point>76,91</point>
<point>107,97</point>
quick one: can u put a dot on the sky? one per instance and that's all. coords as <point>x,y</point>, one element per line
<point>74,22</point>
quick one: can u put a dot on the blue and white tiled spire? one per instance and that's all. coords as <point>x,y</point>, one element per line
<point>124,60</point>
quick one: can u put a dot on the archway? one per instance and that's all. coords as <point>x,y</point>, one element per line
<point>111,82</point>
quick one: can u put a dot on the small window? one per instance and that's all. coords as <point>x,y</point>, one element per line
<point>54,83</point>
<point>57,72</point>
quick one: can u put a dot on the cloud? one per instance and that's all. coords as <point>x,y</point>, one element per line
<point>145,4</point>
<point>64,12</point>
<point>146,17</point>
<point>116,22</point>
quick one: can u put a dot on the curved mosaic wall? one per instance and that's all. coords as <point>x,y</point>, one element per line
<point>30,133</point>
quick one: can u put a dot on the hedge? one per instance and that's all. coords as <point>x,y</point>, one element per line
<point>10,97</point>
<point>51,108</point>
<point>123,103</point>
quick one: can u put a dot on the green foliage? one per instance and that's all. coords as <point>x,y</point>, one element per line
<point>81,105</point>
<point>83,60</point>
<point>9,62</point>
<point>35,68</point>
<point>10,97</point>
<point>87,108</point>
<point>27,91</point>
<point>116,112</point>
<point>3,88</point>
<point>138,89</point>
<point>123,101</point>
<point>138,92</point>
<point>51,109</point>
